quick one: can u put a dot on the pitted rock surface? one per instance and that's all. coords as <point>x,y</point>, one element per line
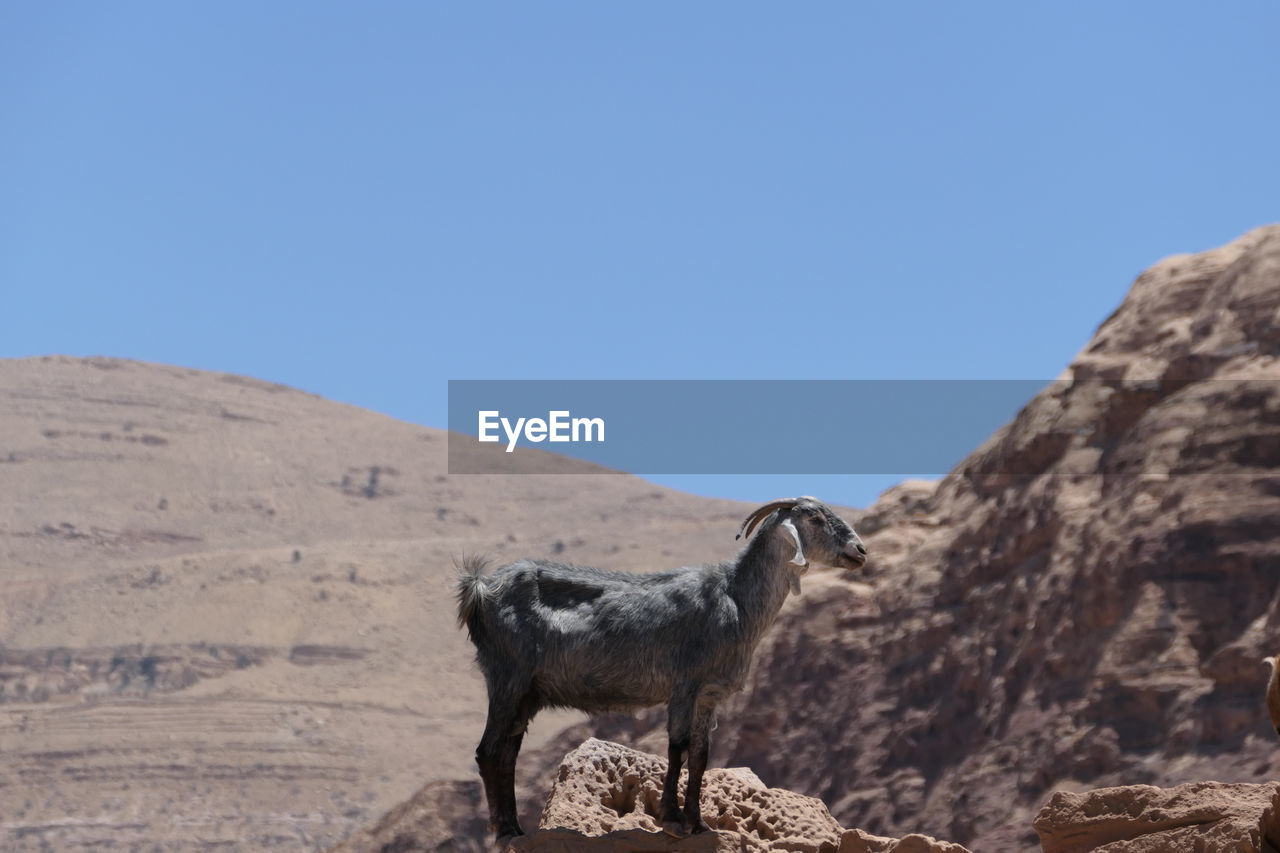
<point>604,787</point>
<point>1205,817</point>
<point>857,841</point>
<point>1083,602</point>
<point>606,797</point>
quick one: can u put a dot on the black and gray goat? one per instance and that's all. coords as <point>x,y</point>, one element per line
<point>554,635</point>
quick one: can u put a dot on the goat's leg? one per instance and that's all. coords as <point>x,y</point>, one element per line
<point>508,823</point>
<point>489,756</point>
<point>507,819</point>
<point>669,806</point>
<point>679,727</point>
<point>699,751</point>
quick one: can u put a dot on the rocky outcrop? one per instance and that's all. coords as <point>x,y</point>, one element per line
<point>602,788</point>
<point>605,798</point>
<point>441,816</point>
<point>1208,817</point>
<point>857,841</point>
<point>1083,602</point>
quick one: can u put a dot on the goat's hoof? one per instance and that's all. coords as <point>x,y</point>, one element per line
<point>674,828</point>
<point>684,826</point>
<point>505,836</point>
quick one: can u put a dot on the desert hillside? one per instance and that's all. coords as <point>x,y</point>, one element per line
<point>226,611</point>
<point>226,616</point>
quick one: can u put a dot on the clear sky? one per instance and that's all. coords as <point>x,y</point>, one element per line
<point>366,200</point>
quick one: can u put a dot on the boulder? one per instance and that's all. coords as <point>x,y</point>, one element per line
<point>1205,817</point>
<point>605,797</point>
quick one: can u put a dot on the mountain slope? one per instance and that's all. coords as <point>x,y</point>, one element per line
<point>219,627</point>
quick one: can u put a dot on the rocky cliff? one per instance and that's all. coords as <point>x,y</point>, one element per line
<point>1084,602</point>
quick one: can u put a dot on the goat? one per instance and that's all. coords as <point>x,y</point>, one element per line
<point>551,635</point>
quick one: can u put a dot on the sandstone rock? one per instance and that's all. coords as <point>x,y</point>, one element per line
<point>606,796</point>
<point>602,788</point>
<point>1207,817</point>
<point>1083,602</point>
<point>441,816</point>
<point>857,841</point>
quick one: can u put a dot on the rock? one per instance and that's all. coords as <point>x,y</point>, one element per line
<point>1207,817</point>
<point>857,841</point>
<point>441,816</point>
<point>604,788</point>
<point>606,797</point>
<point>1083,602</point>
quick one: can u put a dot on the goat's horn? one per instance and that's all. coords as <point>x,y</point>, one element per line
<point>763,512</point>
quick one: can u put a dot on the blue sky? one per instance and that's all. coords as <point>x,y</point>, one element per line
<point>365,201</point>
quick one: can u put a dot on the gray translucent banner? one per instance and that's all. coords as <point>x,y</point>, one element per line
<point>922,427</point>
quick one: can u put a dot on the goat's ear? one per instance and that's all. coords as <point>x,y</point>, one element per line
<point>1271,661</point>
<point>789,526</point>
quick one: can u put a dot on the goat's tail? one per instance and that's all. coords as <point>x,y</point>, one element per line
<point>472,594</point>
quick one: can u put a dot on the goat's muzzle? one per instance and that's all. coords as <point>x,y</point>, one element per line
<point>854,557</point>
<point>854,553</point>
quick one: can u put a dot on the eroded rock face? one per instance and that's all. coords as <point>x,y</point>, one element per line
<point>1207,817</point>
<point>441,816</point>
<point>606,796</point>
<point>1084,602</point>
<point>602,787</point>
<point>857,841</point>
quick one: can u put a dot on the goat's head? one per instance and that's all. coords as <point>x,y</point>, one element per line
<point>819,535</point>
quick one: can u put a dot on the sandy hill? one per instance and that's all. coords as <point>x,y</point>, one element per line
<point>219,628</point>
